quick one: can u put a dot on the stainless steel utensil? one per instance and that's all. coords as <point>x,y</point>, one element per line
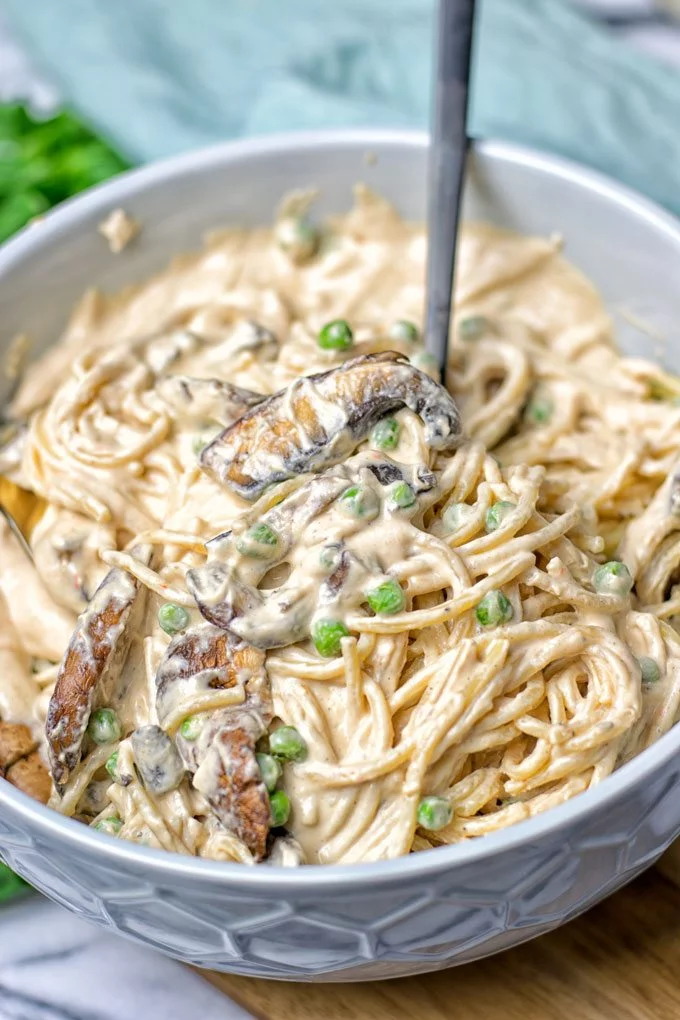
<point>448,149</point>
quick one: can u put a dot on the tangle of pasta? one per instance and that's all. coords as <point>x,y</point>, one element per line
<point>530,644</point>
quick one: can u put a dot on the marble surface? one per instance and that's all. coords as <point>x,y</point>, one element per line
<point>53,966</point>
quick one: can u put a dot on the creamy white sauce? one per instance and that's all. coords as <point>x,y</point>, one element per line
<point>502,724</point>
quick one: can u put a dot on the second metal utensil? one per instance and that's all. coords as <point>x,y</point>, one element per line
<point>448,149</point>
<point>16,531</point>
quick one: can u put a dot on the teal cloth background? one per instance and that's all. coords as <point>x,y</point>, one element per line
<point>161,76</point>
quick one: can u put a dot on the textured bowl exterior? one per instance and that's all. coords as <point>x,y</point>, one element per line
<point>429,910</point>
<point>395,924</point>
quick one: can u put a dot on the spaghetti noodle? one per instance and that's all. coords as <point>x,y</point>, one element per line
<point>349,630</point>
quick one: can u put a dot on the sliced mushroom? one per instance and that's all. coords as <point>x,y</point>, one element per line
<point>94,799</point>
<point>270,602</point>
<point>252,336</point>
<point>222,756</point>
<point>387,471</point>
<point>20,761</point>
<point>229,777</point>
<point>157,759</point>
<point>90,671</point>
<point>30,775</point>
<point>196,661</point>
<point>674,494</point>
<point>164,348</point>
<point>318,420</point>
<point>16,741</point>
<point>279,616</point>
<point>201,400</point>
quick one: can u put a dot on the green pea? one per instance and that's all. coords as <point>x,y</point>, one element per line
<point>270,770</point>
<point>286,743</point>
<point>494,609</point>
<point>104,726</point>
<point>173,618</point>
<point>191,727</point>
<point>613,578</point>
<point>540,409</point>
<point>336,336</point>
<point>111,825</point>
<point>327,635</point>
<point>387,598</point>
<point>385,435</point>
<point>259,541</point>
<point>402,496</point>
<point>651,674</point>
<point>203,439</point>
<point>330,556</point>
<point>434,813</point>
<point>473,327</point>
<point>279,807</point>
<point>425,361</point>
<point>111,765</point>
<point>297,237</point>
<point>359,501</point>
<point>402,329</point>
<point>497,513</point>
<point>455,515</point>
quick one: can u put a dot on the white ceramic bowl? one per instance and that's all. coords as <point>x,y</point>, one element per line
<point>432,909</point>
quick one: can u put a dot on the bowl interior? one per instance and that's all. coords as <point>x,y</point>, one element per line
<point>628,247</point>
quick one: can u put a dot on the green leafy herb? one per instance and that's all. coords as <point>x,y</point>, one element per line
<point>43,162</point>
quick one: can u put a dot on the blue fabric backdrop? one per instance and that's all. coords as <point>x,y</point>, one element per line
<point>159,76</point>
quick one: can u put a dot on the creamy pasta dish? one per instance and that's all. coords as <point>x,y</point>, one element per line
<point>286,598</point>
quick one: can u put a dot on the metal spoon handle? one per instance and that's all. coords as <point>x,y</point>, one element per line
<point>17,532</point>
<point>448,148</point>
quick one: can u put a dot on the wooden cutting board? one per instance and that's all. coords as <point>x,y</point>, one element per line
<point>620,961</point>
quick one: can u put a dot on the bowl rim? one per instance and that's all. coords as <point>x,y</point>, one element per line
<point>270,880</point>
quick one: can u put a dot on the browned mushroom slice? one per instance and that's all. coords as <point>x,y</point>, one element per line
<point>16,741</point>
<point>157,759</point>
<point>30,775</point>
<point>222,754</point>
<point>229,777</point>
<point>91,668</point>
<point>95,798</point>
<point>674,494</point>
<point>199,660</point>
<point>249,335</point>
<point>318,420</point>
<point>201,400</point>
<point>20,762</point>
<point>278,616</point>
